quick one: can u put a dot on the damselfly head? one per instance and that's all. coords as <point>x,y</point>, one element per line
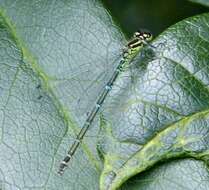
<point>147,36</point>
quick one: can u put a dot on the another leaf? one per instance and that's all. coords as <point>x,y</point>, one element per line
<point>167,114</point>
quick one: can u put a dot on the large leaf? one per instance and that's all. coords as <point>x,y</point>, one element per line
<point>55,58</point>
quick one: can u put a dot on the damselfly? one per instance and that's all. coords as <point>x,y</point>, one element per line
<point>129,52</point>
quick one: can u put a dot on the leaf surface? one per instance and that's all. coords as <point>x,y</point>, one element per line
<point>166,115</point>
<point>56,56</point>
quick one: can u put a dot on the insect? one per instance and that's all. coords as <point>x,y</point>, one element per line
<point>130,51</point>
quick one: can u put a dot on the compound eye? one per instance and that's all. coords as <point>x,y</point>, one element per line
<point>137,34</point>
<point>147,36</point>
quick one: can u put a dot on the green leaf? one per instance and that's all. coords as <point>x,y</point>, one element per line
<point>202,2</point>
<point>166,115</point>
<point>56,57</point>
